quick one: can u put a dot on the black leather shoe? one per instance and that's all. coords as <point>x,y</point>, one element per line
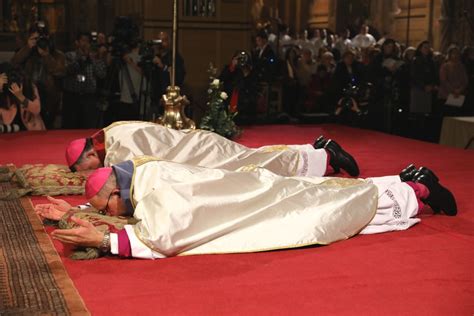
<point>340,159</point>
<point>426,171</point>
<point>320,142</point>
<point>440,198</point>
<point>408,173</point>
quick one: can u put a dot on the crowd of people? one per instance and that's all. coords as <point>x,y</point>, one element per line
<point>380,84</point>
<point>376,83</point>
<point>103,79</point>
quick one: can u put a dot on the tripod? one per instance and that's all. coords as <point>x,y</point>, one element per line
<point>108,95</point>
<point>144,95</point>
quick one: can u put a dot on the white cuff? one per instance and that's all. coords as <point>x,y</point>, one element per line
<point>139,249</point>
<point>313,162</point>
<point>114,244</point>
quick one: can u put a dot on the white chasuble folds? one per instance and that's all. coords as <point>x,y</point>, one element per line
<point>126,140</point>
<point>189,210</point>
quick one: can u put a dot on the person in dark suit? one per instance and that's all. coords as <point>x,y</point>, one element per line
<point>264,58</point>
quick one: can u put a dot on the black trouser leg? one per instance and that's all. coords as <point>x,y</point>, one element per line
<point>71,111</point>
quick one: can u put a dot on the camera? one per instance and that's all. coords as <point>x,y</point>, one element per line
<point>94,43</point>
<point>349,95</point>
<point>147,52</point>
<point>351,91</point>
<point>43,41</point>
<point>14,74</point>
<point>94,37</point>
<point>41,26</point>
<point>243,59</point>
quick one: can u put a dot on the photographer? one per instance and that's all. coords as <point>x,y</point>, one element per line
<point>161,77</point>
<point>45,65</point>
<point>19,102</point>
<point>100,46</point>
<point>348,77</point>
<point>80,85</point>
<point>130,77</point>
<point>240,83</point>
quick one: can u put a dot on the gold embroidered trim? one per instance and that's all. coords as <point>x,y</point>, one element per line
<point>274,148</point>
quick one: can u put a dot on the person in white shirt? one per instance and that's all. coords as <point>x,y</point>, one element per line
<point>130,77</point>
<point>319,39</point>
<point>343,43</point>
<point>363,39</point>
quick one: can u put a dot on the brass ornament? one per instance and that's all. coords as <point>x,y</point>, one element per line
<point>174,105</point>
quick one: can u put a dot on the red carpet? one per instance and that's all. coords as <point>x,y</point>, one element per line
<point>426,270</point>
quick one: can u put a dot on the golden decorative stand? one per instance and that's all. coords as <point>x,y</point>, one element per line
<point>174,116</point>
<point>174,103</point>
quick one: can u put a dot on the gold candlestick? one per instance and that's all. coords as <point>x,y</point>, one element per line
<point>173,102</point>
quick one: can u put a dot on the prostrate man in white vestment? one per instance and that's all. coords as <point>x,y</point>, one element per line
<point>122,141</point>
<point>190,210</point>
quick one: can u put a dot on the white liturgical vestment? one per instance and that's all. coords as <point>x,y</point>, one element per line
<point>126,140</point>
<point>190,210</point>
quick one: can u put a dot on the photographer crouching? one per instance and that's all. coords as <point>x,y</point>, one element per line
<point>80,85</point>
<point>45,65</point>
<point>19,102</point>
<point>350,88</point>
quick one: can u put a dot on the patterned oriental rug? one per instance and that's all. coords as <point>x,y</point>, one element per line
<point>33,280</point>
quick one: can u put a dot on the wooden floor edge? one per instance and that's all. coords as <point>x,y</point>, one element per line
<point>74,301</point>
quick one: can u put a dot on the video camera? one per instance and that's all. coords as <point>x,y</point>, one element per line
<point>147,52</point>
<point>95,45</point>
<point>351,91</point>
<point>125,32</point>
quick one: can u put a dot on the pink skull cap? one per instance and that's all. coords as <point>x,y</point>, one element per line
<point>74,151</point>
<point>96,181</point>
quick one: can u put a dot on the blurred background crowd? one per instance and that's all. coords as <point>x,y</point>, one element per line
<point>360,79</point>
<point>357,76</point>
